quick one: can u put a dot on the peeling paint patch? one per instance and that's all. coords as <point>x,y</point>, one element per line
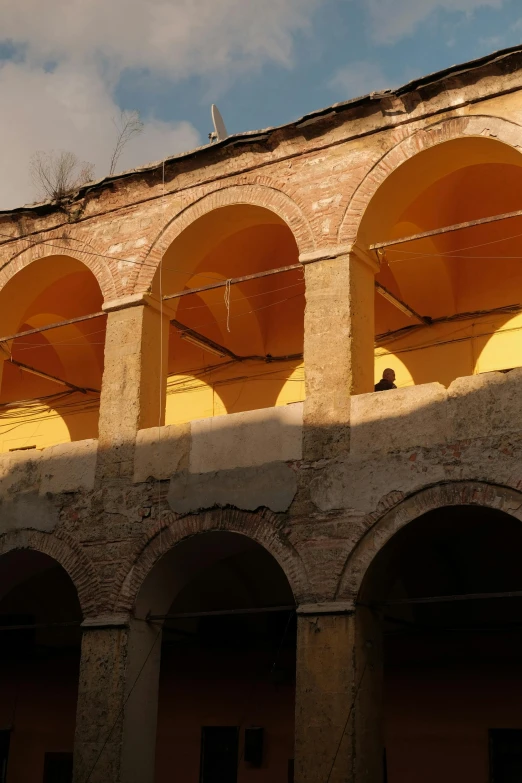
<point>273,485</point>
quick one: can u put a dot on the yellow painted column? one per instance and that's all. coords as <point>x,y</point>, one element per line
<point>338,344</point>
<point>134,379</point>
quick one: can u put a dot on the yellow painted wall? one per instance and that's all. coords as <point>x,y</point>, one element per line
<point>265,315</point>
<point>465,271</point>
<point>47,291</point>
<point>233,389</point>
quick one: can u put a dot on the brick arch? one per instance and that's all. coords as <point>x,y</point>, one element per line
<point>486,126</point>
<point>89,255</point>
<point>382,528</point>
<point>255,194</point>
<point>67,553</point>
<point>262,528</point>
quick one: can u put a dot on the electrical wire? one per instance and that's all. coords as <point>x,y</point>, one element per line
<point>403,331</point>
<point>215,277</point>
<point>271,671</point>
<point>455,250</point>
<point>352,705</point>
<point>102,331</point>
<point>250,296</point>
<point>30,412</point>
<point>161,407</point>
<point>186,386</point>
<point>438,343</point>
<point>194,273</point>
<point>122,708</point>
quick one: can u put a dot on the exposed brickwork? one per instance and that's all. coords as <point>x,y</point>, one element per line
<point>415,140</point>
<point>264,528</point>
<point>262,193</point>
<point>381,527</point>
<point>68,553</point>
<point>24,251</point>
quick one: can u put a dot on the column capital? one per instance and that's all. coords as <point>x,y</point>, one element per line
<point>328,607</point>
<point>337,251</point>
<point>143,299</point>
<point>103,621</point>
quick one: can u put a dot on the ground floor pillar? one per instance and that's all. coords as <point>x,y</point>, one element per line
<point>338,732</point>
<point>115,739</point>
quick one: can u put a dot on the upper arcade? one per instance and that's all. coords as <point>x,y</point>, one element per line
<point>273,267</point>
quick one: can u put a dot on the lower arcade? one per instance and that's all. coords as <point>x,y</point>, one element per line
<point>435,665</point>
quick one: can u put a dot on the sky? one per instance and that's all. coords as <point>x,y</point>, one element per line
<point>69,67</point>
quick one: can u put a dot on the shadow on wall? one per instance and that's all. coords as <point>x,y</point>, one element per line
<point>400,441</point>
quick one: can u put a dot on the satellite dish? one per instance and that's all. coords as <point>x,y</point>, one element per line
<point>220,132</point>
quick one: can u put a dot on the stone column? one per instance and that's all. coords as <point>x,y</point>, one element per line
<point>338,344</point>
<point>116,713</point>
<point>338,726</point>
<point>134,379</point>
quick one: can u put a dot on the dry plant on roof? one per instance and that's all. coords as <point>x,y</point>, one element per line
<point>57,174</point>
<point>128,125</point>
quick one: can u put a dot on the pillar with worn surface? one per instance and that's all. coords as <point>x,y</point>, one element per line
<point>116,713</point>
<point>338,727</point>
<point>134,379</point>
<point>338,345</point>
<point>368,766</point>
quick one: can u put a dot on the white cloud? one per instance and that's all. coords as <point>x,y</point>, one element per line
<point>358,78</point>
<point>394,19</point>
<point>177,37</point>
<point>58,94</point>
<point>69,109</point>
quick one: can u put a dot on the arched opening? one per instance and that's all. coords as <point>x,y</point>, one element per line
<point>40,640</point>
<point>469,282</point>
<point>452,641</point>
<point>50,379</point>
<point>227,681</point>
<point>234,348</point>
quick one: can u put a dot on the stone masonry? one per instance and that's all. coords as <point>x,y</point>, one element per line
<point>321,485</point>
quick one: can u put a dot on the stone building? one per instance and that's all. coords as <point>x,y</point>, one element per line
<point>224,557</point>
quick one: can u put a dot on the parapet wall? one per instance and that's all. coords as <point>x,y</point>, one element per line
<point>476,406</point>
<point>239,459</point>
<point>66,467</point>
<point>402,443</point>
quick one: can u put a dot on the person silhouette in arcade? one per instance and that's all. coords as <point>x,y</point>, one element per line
<point>387,381</point>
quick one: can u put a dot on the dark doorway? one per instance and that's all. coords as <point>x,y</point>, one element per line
<point>58,768</point>
<point>219,750</point>
<point>505,755</point>
<point>4,753</point>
